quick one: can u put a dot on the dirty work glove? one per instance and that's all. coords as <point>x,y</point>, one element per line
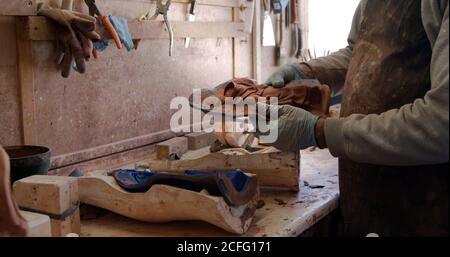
<point>296,127</point>
<point>74,32</point>
<point>284,75</point>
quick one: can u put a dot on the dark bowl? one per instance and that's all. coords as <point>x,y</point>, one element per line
<point>28,161</point>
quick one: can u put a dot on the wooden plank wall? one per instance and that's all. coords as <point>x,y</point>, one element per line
<point>122,101</point>
<point>10,109</point>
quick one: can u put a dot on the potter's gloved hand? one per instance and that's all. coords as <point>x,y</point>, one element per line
<point>296,128</point>
<point>74,32</point>
<point>284,75</point>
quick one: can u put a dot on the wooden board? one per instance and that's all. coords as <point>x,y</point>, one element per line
<point>70,224</point>
<point>257,43</point>
<point>282,214</point>
<point>18,7</point>
<point>26,81</point>
<point>221,3</point>
<point>53,196</point>
<point>200,140</point>
<point>176,145</point>
<point>123,146</point>
<point>40,28</point>
<point>38,224</point>
<point>272,167</point>
<point>164,204</point>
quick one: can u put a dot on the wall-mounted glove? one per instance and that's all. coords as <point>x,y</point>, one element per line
<point>296,127</point>
<point>74,34</point>
<point>284,75</point>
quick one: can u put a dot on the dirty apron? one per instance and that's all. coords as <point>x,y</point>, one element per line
<point>390,68</point>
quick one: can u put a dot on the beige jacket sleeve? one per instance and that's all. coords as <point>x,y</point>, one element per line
<point>415,134</point>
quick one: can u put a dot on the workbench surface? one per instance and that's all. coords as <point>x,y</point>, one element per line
<point>283,214</point>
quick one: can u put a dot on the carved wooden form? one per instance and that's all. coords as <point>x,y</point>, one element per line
<point>164,204</point>
<point>273,168</point>
<point>11,221</point>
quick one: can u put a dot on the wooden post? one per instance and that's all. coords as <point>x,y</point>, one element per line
<point>26,81</point>
<point>304,24</point>
<point>234,42</point>
<point>257,42</point>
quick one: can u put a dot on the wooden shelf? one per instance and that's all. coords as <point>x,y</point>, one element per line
<point>29,7</point>
<point>40,29</point>
<point>222,3</point>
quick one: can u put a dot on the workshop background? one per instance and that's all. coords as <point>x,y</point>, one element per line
<point>118,109</point>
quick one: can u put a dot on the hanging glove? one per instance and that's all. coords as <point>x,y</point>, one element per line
<point>74,32</point>
<point>286,74</point>
<point>296,127</point>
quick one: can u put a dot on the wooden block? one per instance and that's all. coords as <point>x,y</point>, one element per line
<point>26,81</point>
<point>52,195</point>
<point>38,224</point>
<point>200,140</point>
<point>174,145</point>
<point>273,168</point>
<point>66,226</point>
<point>49,194</point>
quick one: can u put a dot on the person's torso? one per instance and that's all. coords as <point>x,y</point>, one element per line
<point>390,68</point>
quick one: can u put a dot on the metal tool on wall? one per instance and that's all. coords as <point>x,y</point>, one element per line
<point>279,5</point>
<point>191,17</point>
<point>268,32</point>
<point>162,9</point>
<point>281,51</point>
<point>296,31</point>
<point>94,11</point>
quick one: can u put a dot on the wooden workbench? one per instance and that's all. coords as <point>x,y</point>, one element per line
<point>283,213</point>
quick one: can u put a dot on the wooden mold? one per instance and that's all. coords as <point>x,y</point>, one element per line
<point>164,204</point>
<point>38,224</point>
<point>273,168</point>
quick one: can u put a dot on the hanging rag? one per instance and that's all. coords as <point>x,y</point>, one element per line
<point>121,26</point>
